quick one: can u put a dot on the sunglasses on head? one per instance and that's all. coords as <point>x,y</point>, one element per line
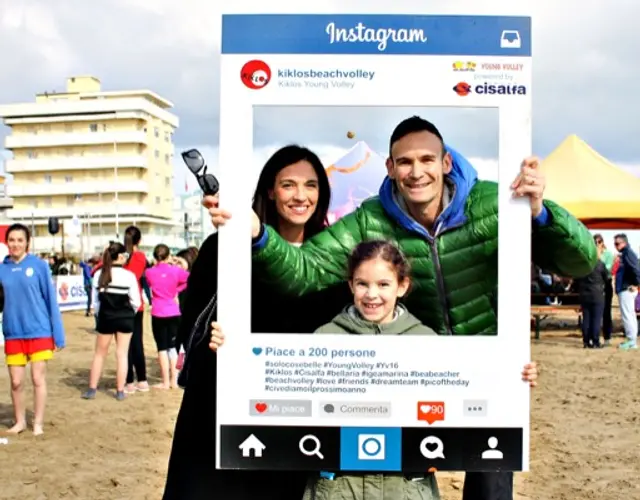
<point>195,162</point>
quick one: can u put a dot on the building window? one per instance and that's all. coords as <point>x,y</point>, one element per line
<point>46,127</point>
<point>68,178</point>
<point>32,155</point>
<point>156,153</point>
<point>34,203</point>
<point>156,132</point>
<point>78,197</point>
<point>166,159</point>
<point>68,127</point>
<point>71,201</point>
<point>104,127</point>
<point>166,137</point>
<point>157,200</point>
<point>93,127</point>
<point>167,182</point>
<point>47,179</point>
<point>47,201</point>
<point>68,152</point>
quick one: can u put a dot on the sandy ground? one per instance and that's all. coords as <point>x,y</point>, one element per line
<point>585,429</point>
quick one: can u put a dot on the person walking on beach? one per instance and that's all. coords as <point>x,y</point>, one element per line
<point>137,264</point>
<point>166,281</point>
<point>627,281</point>
<point>32,325</point>
<point>116,300</point>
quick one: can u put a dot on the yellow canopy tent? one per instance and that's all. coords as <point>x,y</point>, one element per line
<point>600,194</point>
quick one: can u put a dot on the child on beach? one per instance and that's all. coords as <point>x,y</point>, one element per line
<point>378,275</point>
<point>32,325</point>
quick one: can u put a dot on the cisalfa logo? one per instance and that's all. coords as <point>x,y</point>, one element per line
<point>464,89</point>
<point>255,74</point>
<point>64,291</point>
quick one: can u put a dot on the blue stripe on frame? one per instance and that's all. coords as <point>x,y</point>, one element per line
<point>369,34</point>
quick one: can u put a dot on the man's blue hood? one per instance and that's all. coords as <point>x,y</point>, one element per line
<point>462,175</point>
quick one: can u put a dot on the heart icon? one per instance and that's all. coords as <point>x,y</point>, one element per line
<point>431,446</point>
<point>261,407</point>
<point>257,351</point>
<point>425,408</point>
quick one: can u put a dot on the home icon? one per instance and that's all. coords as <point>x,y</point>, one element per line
<point>252,444</point>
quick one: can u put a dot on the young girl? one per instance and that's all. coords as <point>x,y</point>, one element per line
<point>378,275</point>
<point>166,282</point>
<point>137,264</point>
<point>32,324</point>
<point>116,300</point>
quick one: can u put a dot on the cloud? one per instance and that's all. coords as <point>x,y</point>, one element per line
<point>584,65</point>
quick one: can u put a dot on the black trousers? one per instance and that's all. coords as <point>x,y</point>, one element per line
<point>89,292</point>
<point>591,323</point>
<point>488,486</point>
<point>192,473</point>
<point>137,361</point>
<point>607,321</point>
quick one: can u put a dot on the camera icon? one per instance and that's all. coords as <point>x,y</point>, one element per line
<point>371,447</point>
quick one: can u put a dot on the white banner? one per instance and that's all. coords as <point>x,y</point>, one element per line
<point>70,292</point>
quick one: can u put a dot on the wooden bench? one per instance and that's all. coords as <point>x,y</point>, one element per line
<point>542,312</point>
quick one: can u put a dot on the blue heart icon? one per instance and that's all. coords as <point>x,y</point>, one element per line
<point>257,351</point>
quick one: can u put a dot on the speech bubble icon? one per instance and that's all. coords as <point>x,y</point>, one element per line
<point>329,408</point>
<point>432,447</point>
<point>431,411</point>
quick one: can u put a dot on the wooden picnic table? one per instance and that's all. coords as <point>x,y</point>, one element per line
<point>540,312</point>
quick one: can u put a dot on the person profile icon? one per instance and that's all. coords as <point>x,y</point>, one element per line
<point>493,453</point>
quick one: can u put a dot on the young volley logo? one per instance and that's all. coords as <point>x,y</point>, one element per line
<point>255,74</point>
<point>464,89</point>
<point>382,36</point>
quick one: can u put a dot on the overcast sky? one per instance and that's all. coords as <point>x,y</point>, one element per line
<point>585,64</point>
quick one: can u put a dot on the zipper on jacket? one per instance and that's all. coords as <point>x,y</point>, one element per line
<point>207,313</point>
<point>442,294</point>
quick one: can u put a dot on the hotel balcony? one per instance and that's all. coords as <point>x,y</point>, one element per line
<point>73,188</point>
<point>105,211</point>
<point>59,163</point>
<point>47,140</point>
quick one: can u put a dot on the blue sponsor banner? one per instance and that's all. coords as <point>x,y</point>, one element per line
<point>376,35</point>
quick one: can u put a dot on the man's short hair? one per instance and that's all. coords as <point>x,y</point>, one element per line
<point>411,126</point>
<point>621,236</point>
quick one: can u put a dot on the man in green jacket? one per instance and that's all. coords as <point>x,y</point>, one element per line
<point>445,220</point>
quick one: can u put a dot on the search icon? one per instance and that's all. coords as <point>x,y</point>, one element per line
<point>313,451</point>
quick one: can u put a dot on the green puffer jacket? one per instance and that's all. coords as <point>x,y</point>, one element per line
<point>455,273</point>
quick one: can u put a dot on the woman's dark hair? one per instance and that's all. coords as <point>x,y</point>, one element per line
<point>18,227</point>
<point>189,256</point>
<point>110,255</point>
<point>161,252</point>
<point>265,207</point>
<point>384,250</point>
<point>132,236</point>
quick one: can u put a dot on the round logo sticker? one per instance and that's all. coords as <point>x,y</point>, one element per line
<point>255,74</point>
<point>29,272</point>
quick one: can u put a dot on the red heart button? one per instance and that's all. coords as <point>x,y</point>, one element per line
<point>261,407</point>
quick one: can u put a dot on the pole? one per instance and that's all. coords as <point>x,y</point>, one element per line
<point>201,224</point>
<point>115,198</point>
<point>100,218</point>
<point>89,246</point>
<point>33,234</point>
<point>186,229</point>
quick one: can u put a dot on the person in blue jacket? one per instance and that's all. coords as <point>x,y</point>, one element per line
<point>32,324</point>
